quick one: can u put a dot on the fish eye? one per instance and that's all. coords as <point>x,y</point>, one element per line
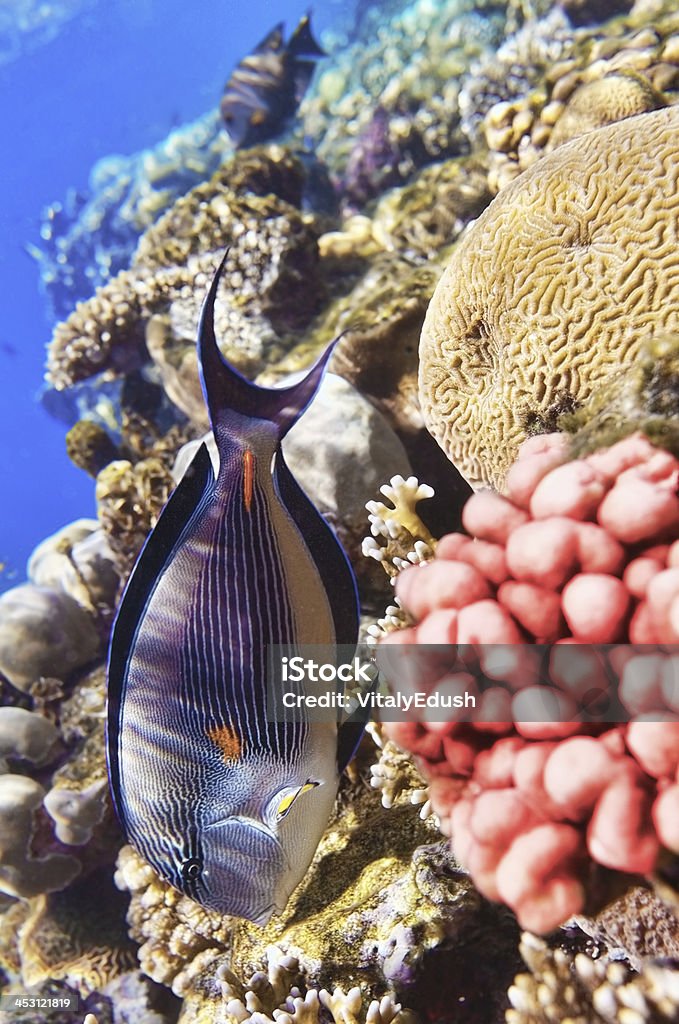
<point>191,869</point>
<point>288,800</point>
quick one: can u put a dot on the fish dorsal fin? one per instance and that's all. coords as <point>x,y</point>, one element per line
<point>326,551</point>
<point>227,391</point>
<point>302,42</point>
<point>272,41</point>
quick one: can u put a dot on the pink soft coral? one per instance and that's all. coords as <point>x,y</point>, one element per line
<point>577,553</point>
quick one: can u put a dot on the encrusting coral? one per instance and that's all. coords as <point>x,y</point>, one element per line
<point>554,288</point>
<point>534,784</point>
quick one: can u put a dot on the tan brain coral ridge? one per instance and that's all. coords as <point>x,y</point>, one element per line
<point>561,280</point>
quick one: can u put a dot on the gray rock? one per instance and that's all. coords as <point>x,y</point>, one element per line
<point>43,633</point>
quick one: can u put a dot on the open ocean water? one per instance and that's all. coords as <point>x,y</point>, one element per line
<point>79,82</point>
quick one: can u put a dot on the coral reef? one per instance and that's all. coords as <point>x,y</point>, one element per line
<point>637,924</point>
<point>552,289</point>
<point>598,75</point>
<point>377,909</point>
<point>129,500</point>
<point>534,784</point>
<point>512,74</point>
<point>43,632</point>
<point>560,988</point>
<point>641,397</point>
<point>270,278</point>
<point>77,561</point>
<point>26,736</point>
<point>89,446</point>
<point>422,218</point>
<point>77,935</point>
<point>558,311</point>
<point>394,91</point>
<point>22,873</point>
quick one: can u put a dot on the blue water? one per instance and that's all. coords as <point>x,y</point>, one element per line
<point>115,79</point>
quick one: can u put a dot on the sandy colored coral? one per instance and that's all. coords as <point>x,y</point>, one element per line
<point>374,907</point>
<point>77,935</point>
<point>601,74</point>
<point>406,62</point>
<point>129,501</point>
<point>25,871</point>
<point>89,447</point>
<point>43,632</point>
<point>587,991</point>
<point>639,923</point>
<point>421,218</point>
<point>77,561</point>
<point>270,276</point>
<point>594,104</point>
<point>552,289</point>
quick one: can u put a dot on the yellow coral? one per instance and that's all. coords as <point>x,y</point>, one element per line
<point>556,285</point>
<point>612,98</point>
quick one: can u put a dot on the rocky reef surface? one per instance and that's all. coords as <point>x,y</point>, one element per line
<point>549,372</point>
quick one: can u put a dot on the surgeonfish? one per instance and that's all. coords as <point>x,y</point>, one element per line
<point>265,89</point>
<point>226,806</point>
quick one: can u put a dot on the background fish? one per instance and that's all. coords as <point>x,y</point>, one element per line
<point>225,806</point>
<point>265,89</point>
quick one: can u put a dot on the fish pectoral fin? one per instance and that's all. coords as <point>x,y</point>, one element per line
<point>290,797</point>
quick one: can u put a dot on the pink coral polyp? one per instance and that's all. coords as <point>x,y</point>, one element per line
<point>576,553</point>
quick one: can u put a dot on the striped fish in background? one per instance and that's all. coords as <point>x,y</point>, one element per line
<point>263,92</point>
<point>226,806</point>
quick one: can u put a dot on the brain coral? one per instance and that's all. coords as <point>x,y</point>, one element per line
<point>557,284</point>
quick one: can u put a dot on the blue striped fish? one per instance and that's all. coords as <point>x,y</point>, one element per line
<point>226,806</point>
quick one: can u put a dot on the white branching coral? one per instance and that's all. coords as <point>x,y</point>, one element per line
<point>274,997</point>
<point>403,537</point>
<point>394,774</point>
<point>394,618</point>
<point>597,991</point>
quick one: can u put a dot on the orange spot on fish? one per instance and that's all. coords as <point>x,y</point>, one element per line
<point>227,740</point>
<point>248,476</point>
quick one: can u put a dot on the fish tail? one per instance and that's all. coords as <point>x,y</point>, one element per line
<point>302,42</point>
<point>227,391</point>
